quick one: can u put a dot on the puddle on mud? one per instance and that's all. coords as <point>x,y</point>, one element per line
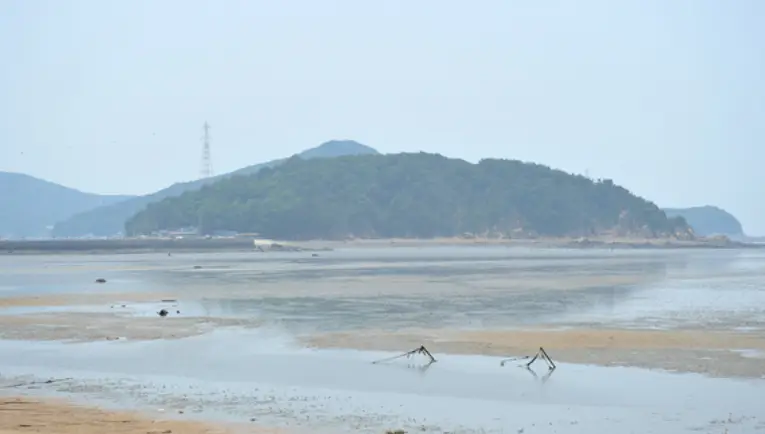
<point>238,375</point>
<point>751,353</point>
<point>680,303</point>
<point>123,308</point>
<point>675,290</point>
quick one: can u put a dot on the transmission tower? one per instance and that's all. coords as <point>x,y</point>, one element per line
<point>206,170</point>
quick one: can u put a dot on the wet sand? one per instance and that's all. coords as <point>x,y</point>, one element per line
<point>712,353</point>
<point>700,312</point>
<point>239,375</point>
<point>25,415</point>
<point>78,299</point>
<point>717,353</point>
<point>723,354</point>
<point>85,327</point>
<point>493,302</point>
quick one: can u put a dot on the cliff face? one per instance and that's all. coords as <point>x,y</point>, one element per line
<point>709,221</point>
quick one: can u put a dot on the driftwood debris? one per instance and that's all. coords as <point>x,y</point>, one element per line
<point>541,354</point>
<point>421,350</point>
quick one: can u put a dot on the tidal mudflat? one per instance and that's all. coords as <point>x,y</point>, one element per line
<point>286,340</point>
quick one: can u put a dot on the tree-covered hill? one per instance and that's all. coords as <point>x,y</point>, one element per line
<point>409,195</point>
<point>110,219</point>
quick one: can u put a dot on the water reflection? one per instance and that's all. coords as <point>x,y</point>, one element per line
<point>472,277</point>
<point>419,368</point>
<point>544,377</point>
<point>384,312</point>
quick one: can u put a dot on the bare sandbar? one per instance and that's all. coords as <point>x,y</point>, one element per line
<point>25,415</point>
<point>715,353</point>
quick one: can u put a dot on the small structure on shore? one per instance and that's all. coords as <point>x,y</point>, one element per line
<point>263,245</point>
<point>266,245</point>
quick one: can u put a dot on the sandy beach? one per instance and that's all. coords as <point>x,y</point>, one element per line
<point>25,415</point>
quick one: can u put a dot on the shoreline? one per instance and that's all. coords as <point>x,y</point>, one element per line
<point>198,245</point>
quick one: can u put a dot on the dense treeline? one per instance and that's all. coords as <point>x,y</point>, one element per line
<point>409,195</point>
<point>109,220</point>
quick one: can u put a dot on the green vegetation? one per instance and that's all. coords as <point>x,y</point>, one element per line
<point>709,220</point>
<point>29,205</point>
<point>409,195</point>
<point>110,220</point>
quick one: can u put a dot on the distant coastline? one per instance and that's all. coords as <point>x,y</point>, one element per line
<point>148,245</point>
<point>602,242</point>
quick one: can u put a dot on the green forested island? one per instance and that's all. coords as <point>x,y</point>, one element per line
<point>110,219</point>
<point>409,195</point>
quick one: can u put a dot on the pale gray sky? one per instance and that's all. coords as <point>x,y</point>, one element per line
<point>667,97</point>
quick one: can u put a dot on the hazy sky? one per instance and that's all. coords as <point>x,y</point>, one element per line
<point>666,97</point>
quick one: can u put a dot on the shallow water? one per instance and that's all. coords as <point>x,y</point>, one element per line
<point>435,287</point>
<point>237,375</point>
<point>352,288</point>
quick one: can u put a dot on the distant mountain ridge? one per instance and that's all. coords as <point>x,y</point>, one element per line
<point>110,219</point>
<point>29,205</point>
<point>709,220</point>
